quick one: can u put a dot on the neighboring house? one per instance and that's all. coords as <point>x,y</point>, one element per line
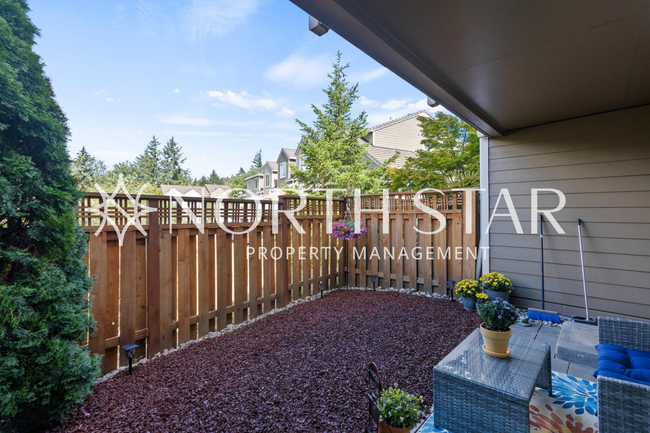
<point>561,95</point>
<point>218,190</point>
<point>285,162</point>
<point>255,183</point>
<point>269,178</point>
<point>402,135</point>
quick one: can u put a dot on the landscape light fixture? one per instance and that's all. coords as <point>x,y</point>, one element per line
<point>451,285</point>
<point>320,286</point>
<point>316,27</point>
<point>374,282</point>
<point>129,351</point>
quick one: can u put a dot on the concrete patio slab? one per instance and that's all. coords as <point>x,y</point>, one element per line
<point>577,342</point>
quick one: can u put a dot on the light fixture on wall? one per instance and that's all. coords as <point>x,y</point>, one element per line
<point>317,27</point>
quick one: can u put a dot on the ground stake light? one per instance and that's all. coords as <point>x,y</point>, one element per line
<point>320,286</point>
<point>374,281</point>
<point>129,351</point>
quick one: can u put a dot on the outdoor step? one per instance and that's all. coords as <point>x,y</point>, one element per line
<point>577,343</point>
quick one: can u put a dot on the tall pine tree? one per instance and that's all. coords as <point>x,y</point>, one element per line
<point>149,163</point>
<point>88,170</point>
<point>334,155</point>
<point>172,165</point>
<point>44,283</point>
<point>256,165</point>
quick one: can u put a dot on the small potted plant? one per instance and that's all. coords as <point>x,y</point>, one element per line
<point>467,290</point>
<point>496,285</point>
<point>399,410</point>
<point>498,316</point>
<point>345,230</point>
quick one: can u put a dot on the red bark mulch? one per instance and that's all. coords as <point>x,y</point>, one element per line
<point>299,370</point>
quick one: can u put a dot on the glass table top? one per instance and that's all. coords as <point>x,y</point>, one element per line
<point>514,376</point>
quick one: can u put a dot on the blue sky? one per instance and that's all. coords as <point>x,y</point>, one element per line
<point>224,77</point>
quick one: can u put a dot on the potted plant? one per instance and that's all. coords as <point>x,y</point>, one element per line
<point>496,285</point>
<point>345,230</point>
<point>467,290</point>
<point>498,316</point>
<point>399,410</point>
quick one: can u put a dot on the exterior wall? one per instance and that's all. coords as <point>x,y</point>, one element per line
<point>250,184</point>
<point>284,159</point>
<point>602,164</point>
<point>273,179</point>
<point>404,135</point>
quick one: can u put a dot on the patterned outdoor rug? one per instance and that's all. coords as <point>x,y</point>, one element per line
<point>572,410</point>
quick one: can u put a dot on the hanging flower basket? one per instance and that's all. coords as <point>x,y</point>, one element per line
<point>345,230</point>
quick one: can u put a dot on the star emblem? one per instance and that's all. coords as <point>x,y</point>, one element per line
<point>102,210</point>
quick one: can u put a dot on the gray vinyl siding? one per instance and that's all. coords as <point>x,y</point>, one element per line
<point>404,135</point>
<point>602,164</point>
<point>282,158</point>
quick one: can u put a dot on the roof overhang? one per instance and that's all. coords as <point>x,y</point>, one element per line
<point>503,66</point>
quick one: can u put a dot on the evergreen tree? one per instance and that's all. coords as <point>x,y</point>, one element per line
<point>333,153</point>
<point>256,165</point>
<point>149,163</point>
<point>214,178</point>
<point>172,165</point>
<point>87,170</point>
<point>450,158</point>
<point>44,311</point>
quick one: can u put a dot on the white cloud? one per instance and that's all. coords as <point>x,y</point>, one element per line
<point>301,70</point>
<point>395,110</point>
<point>110,99</point>
<point>367,102</point>
<point>205,18</point>
<point>394,104</point>
<point>286,112</point>
<point>176,91</point>
<point>99,93</point>
<point>242,100</point>
<point>369,76</point>
<point>181,120</point>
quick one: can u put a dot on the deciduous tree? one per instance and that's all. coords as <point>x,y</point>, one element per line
<point>450,158</point>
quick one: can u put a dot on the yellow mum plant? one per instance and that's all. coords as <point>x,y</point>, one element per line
<point>468,288</point>
<point>496,282</point>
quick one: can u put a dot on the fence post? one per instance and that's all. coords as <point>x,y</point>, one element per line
<point>153,280</point>
<point>282,273</point>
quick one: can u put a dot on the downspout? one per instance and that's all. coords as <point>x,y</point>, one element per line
<point>483,262</point>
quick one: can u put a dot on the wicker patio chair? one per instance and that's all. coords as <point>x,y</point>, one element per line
<point>623,406</point>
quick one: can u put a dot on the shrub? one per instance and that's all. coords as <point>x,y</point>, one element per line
<point>468,288</point>
<point>498,315</point>
<point>496,282</point>
<point>44,284</point>
<point>398,408</point>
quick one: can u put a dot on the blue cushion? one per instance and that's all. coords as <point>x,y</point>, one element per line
<point>624,364</point>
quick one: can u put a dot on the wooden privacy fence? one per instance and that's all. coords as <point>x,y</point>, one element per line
<point>178,283</point>
<point>405,258</point>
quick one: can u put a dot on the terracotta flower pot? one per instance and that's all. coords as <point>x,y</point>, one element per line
<point>496,342</point>
<point>383,428</point>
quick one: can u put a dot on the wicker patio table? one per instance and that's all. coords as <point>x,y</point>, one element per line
<point>474,392</point>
